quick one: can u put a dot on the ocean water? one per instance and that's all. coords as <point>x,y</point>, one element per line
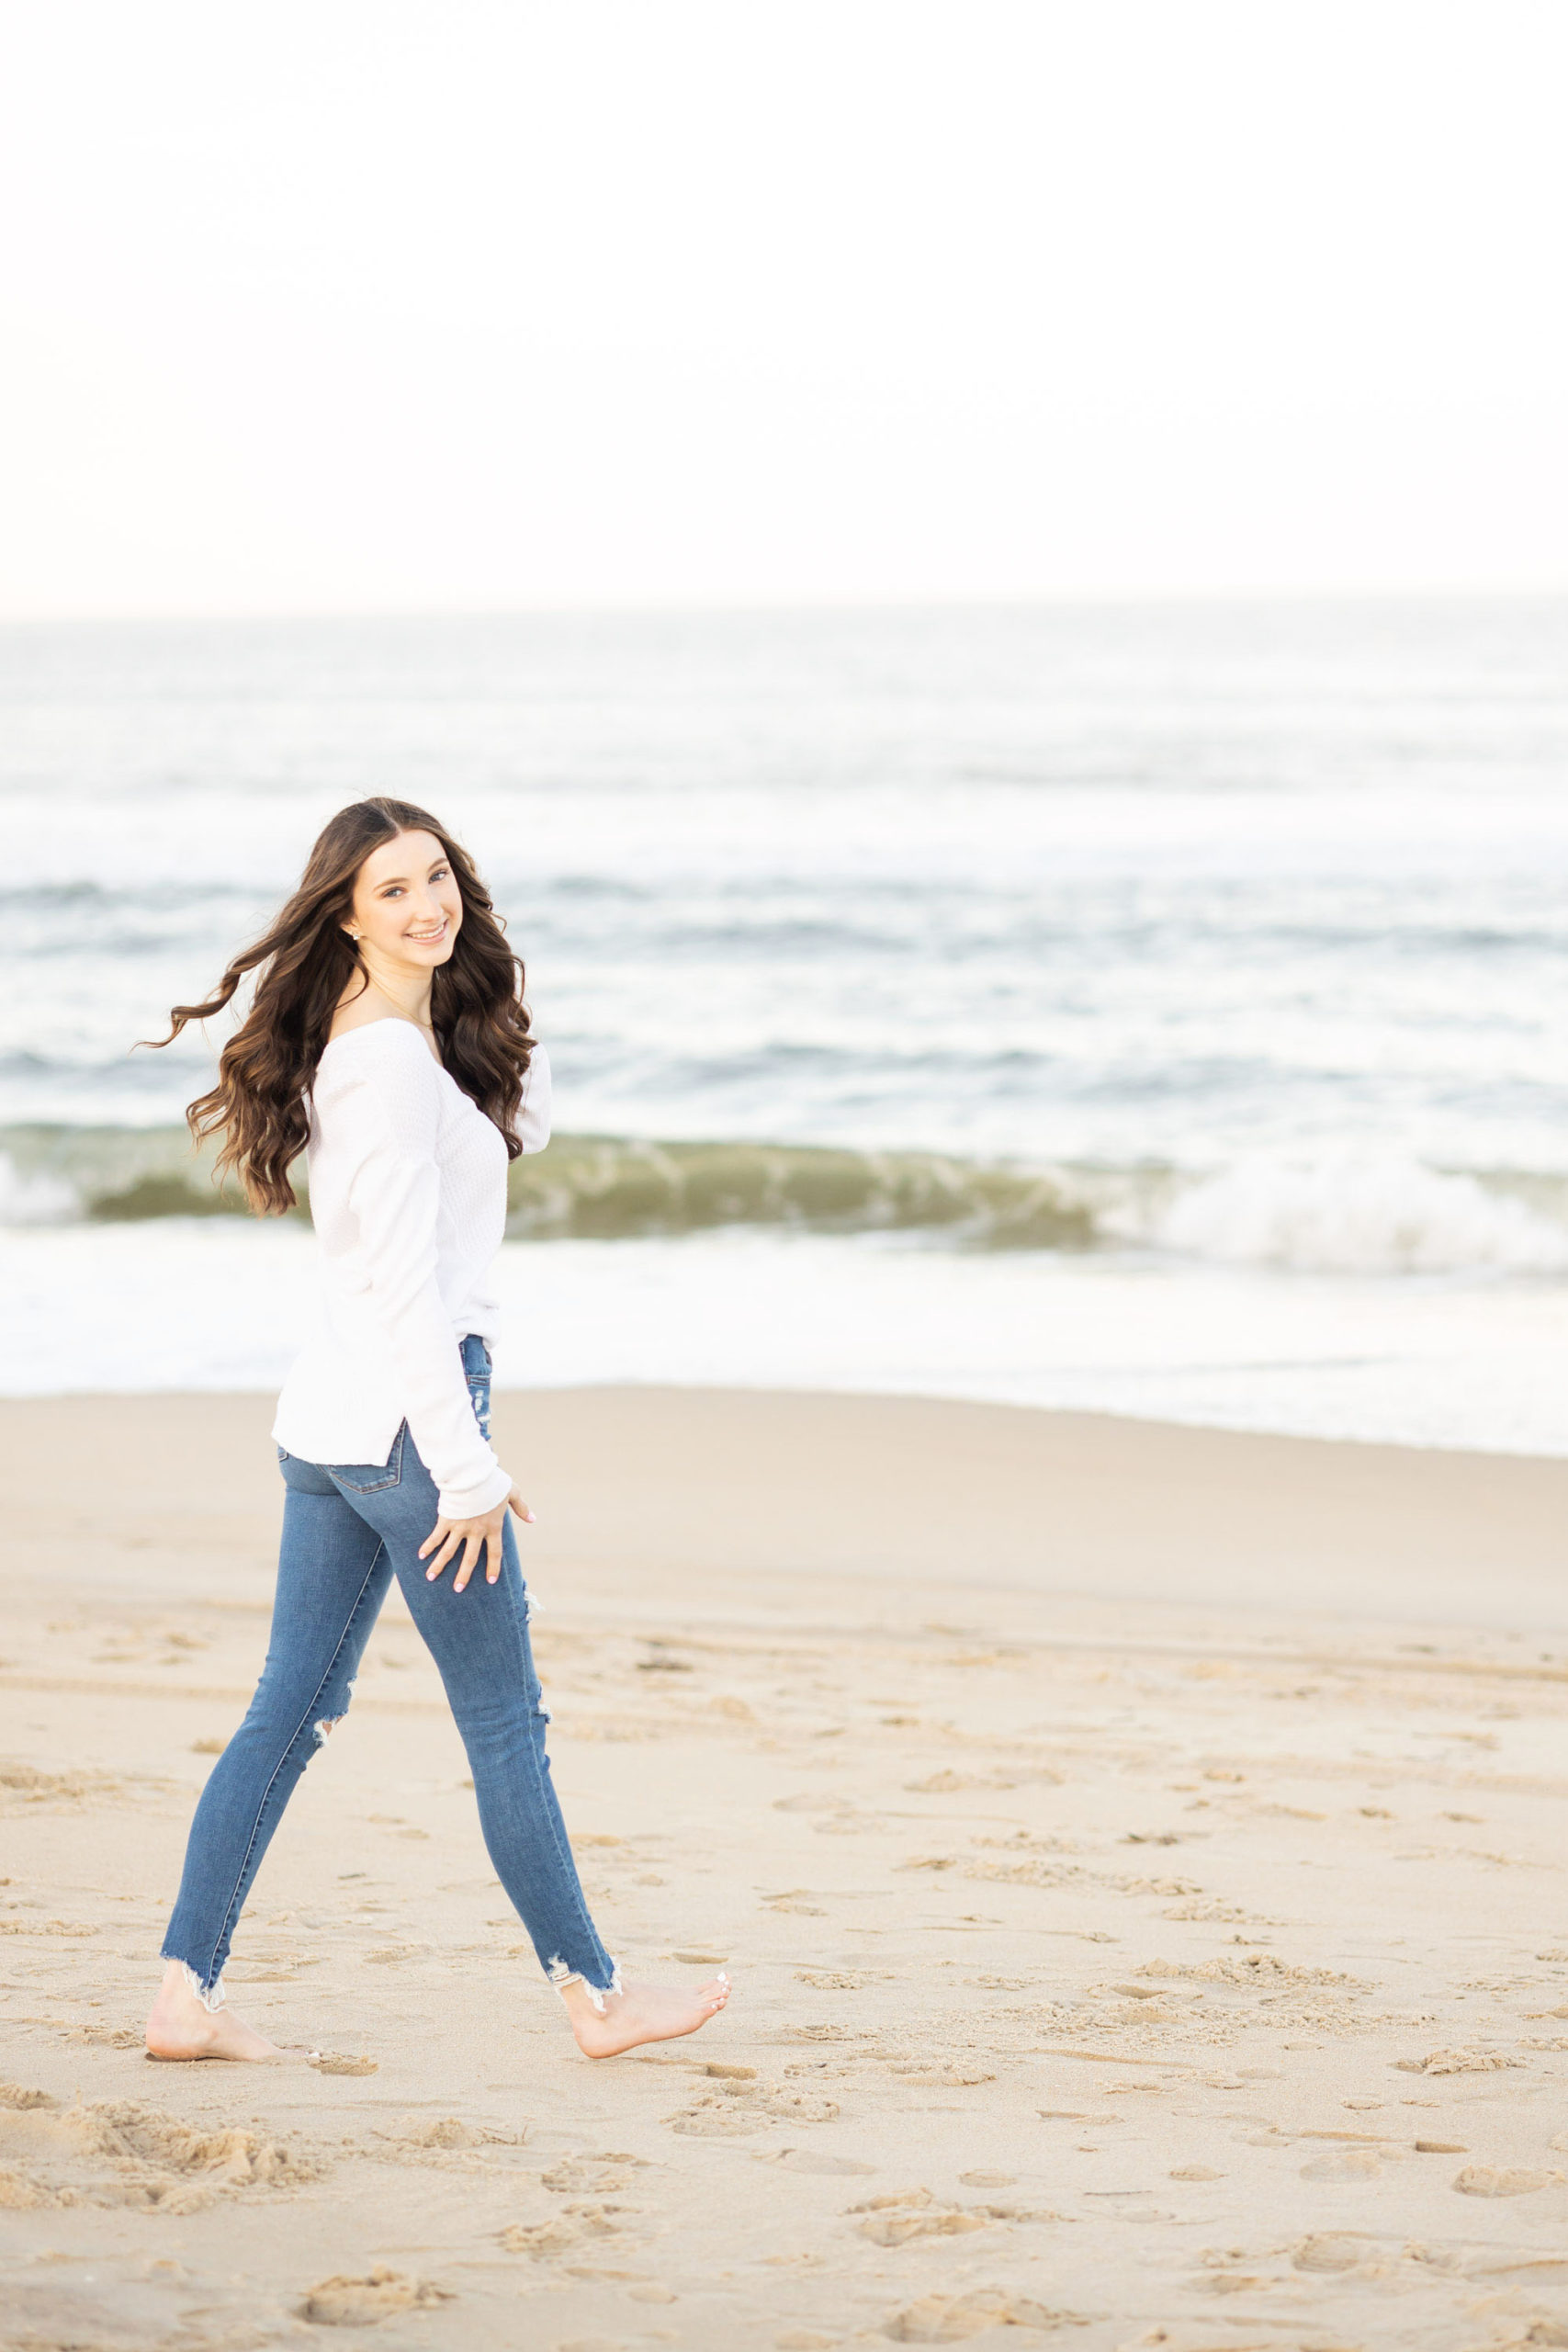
<point>1156,1008</point>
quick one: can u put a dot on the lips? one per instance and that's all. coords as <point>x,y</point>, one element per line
<point>426,938</point>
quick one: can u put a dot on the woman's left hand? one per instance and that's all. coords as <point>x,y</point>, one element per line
<point>472,1536</point>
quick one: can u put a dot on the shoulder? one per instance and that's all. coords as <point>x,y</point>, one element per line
<point>386,1063</point>
<point>380,1029</point>
<point>388,1043</point>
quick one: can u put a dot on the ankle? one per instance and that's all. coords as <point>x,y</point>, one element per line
<point>183,1988</point>
<point>586,2008</point>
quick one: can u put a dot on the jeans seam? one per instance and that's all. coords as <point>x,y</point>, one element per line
<point>229,1912</point>
<point>557,1826</point>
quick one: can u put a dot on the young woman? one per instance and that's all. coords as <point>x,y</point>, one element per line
<point>388,1039</point>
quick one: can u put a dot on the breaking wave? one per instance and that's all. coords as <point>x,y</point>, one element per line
<point>1329,1214</point>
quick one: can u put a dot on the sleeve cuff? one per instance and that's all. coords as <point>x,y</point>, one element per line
<point>474,1502</point>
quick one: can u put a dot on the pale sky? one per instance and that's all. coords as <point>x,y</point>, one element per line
<point>328,305</point>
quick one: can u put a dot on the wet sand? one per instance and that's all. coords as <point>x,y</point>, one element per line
<point>1137,1850</point>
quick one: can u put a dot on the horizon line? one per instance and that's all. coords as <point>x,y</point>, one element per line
<point>1012,600</point>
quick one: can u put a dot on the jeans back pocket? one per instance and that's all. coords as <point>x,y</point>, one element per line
<point>370,1478</point>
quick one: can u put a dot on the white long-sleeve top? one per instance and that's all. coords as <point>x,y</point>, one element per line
<point>408,1197</point>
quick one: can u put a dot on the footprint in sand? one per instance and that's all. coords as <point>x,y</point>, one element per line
<point>710,2120</point>
<point>118,2152</point>
<point>1248,1968</point>
<point>1458,2062</point>
<point>952,2319</point>
<point>1501,2180</point>
<point>740,2107</point>
<point>439,2132</point>
<point>540,2240</point>
<point>365,2302</point>
<point>1331,2251</point>
<point>1227,2283</point>
<point>910,2214</point>
<point>44,1928</point>
<point>796,2106</point>
<point>1348,2164</point>
<point>27,1785</point>
<point>596,2176</point>
<point>17,2095</point>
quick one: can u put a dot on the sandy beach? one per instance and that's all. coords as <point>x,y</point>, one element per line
<point>1137,1852</point>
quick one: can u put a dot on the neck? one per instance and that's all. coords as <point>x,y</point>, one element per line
<point>408,990</point>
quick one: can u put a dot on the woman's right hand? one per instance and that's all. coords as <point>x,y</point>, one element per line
<point>473,1537</point>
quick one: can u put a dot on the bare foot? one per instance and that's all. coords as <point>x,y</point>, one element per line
<point>181,2026</point>
<point>641,2013</point>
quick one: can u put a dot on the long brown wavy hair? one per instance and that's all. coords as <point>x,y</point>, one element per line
<point>305,961</point>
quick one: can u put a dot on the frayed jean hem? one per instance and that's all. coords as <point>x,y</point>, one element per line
<point>560,1976</point>
<point>211,1997</point>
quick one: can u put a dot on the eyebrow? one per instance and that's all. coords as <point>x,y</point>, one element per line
<point>391,881</point>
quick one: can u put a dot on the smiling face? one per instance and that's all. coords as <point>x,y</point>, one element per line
<point>407,907</point>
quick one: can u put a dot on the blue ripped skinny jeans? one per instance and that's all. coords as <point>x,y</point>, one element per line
<point>347,1530</point>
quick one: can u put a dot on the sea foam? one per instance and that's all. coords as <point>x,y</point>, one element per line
<point>1339,1212</point>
